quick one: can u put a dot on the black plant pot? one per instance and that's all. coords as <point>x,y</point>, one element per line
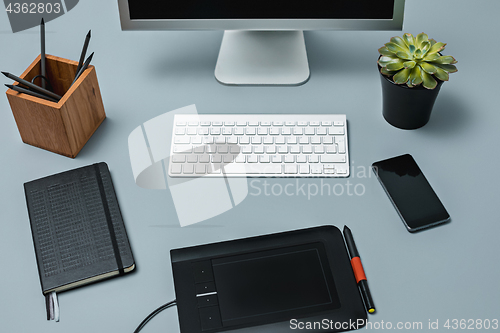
<point>407,108</point>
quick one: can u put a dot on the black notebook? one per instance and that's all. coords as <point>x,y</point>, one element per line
<point>77,228</point>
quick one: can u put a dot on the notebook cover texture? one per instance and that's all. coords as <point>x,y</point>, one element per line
<point>77,227</point>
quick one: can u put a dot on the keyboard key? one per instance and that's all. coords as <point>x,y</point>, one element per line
<point>188,168</point>
<point>252,159</point>
<point>321,131</point>
<point>331,150</point>
<point>333,159</point>
<point>182,139</point>
<point>304,169</point>
<point>264,159</point>
<point>178,158</point>
<point>316,169</point>
<point>301,159</point>
<point>276,159</point>
<point>258,149</point>
<point>274,131</point>
<point>313,159</point>
<point>336,130</point>
<point>338,123</point>
<point>176,168</point>
<point>271,149</point>
<point>264,169</point>
<point>196,140</point>
<point>204,158</point>
<point>200,169</point>
<point>309,131</point>
<point>290,169</point>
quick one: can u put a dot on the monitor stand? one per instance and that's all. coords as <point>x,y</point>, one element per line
<point>262,58</point>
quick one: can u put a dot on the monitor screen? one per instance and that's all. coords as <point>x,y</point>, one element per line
<point>261,9</point>
<point>281,282</point>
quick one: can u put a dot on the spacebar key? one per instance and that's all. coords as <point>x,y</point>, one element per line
<point>253,168</point>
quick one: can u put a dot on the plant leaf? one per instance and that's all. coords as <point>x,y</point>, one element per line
<point>445,60</point>
<point>418,54</point>
<point>438,47</point>
<point>433,41</point>
<point>400,42</point>
<point>415,76</point>
<point>409,40</point>
<point>425,46</point>
<point>431,69</point>
<point>401,76</point>
<point>385,51</point>
<point>395,48</point>
<point>385,71</point>
<point>441,74</point>
<point>409,64</point>
<point>431,57</point>
<point>421,37</point>
<point>404,55</point>
<point>385,60</point>
<point>395,66</point>
<point>428,81</point>
<point>447,68</point>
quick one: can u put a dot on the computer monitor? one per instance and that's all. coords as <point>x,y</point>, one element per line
<point>263,42</point>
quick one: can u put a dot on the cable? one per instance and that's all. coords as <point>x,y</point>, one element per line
<point>154,313</point>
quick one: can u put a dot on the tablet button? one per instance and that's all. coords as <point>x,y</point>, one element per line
<point>209,300</point>
<point>205,287</point>
<point>210,318</point>
<point>203,271</point>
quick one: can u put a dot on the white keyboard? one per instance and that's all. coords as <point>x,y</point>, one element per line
<point>259,145</point>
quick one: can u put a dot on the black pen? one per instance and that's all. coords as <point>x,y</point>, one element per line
<point>359,272</point>
<point>84,52</point>
<point>84,67</point>
<point>42,53</point>
<point>29,92</point>
<point>32,86</point>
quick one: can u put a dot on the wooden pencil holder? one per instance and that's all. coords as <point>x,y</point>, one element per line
<point>62,127</point>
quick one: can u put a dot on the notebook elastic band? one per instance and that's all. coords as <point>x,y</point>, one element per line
<point>112,234</point>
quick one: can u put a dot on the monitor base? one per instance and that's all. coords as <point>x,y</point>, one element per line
<point>262,58</point>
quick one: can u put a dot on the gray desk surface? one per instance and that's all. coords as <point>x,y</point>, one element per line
<point>450,272</point>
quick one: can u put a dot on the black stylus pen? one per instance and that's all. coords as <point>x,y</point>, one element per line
<point>359,273</point>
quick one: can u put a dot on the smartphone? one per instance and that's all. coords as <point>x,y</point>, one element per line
<point>411,194</point>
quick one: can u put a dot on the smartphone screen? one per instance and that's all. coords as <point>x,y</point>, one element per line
<point>410,192</point>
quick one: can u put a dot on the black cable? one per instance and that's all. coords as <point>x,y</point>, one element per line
<point>154,313</point>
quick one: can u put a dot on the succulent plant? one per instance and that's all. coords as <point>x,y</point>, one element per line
<point>415,60</point>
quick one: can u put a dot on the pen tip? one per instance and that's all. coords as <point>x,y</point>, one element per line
<point>43,22</point>
<point>88,35</point>
<point>9,86</point>
<point>5,73</point>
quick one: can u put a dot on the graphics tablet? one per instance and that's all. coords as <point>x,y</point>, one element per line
<point>276,283</point>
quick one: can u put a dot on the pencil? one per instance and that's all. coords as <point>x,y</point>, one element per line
<point>84,52</point>
<point>29,92</point>
<point>84,67</point>
<point>32,86</point>
<point>42,53</point>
